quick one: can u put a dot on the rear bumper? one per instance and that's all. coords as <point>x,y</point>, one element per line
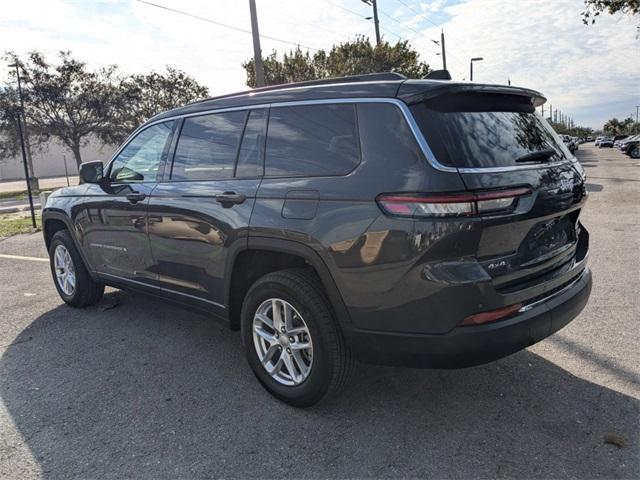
<point>468,346</point>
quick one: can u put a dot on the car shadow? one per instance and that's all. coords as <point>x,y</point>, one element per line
<point>137,388</point>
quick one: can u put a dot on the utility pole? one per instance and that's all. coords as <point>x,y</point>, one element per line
<point>444,55</point>
<point>374,5</point>
<point>257,52</point>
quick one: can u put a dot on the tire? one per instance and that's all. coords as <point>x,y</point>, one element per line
<point>81,290</point>
<point>329,361</point>
<point>635,153</point>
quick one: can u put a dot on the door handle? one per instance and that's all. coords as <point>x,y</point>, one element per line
<point>228,199</point>
<point>136,197</point>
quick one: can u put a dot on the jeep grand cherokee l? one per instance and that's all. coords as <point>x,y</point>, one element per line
<point>422,223</point>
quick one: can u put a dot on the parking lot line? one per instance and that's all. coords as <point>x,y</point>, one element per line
<point>20,257</point>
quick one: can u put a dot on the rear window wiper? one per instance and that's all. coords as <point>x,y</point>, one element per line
<point>537,156</point>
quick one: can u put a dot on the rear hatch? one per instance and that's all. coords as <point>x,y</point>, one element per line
<point>498,142</point>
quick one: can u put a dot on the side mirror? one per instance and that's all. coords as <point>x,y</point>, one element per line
<point>91,172</point>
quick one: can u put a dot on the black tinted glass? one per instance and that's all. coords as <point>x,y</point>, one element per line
<point>140,160</point>
<point>490,135</point>
<point>312,140</point>
<point>250,155</point>
<point>207,146</point>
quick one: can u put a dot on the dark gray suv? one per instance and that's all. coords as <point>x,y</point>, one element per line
<point>404,222</point>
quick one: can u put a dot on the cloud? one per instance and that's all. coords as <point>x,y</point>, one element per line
<point>540,44</point>
<point>543,44</point>
<point>140,37</point>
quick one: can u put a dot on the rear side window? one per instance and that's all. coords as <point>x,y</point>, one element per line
<point>208,145</point>
<point>252,147</point>
<point>486,130</point>
<point>312,140</point>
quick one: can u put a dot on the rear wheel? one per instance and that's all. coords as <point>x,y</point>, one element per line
<point>635,153</point>
<point>292,340</point>
<point>71,278</point>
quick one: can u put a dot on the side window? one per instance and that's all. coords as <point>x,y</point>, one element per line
<point>140,160</point>
<point>207,146</point>
<point>312,140</point>
<point>250,154</point>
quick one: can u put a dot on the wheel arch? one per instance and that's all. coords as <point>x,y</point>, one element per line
<point>277,254</point>
<point>52,222</point>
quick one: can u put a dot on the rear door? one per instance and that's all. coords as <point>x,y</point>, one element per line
<point>201,209</point>
<point>498,142</point>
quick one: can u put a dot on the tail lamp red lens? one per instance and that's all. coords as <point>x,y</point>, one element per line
<point>450,205</point>
<point>492,315</point>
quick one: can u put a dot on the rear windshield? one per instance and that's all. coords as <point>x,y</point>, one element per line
<point>487,130</point>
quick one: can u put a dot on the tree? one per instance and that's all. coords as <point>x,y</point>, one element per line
<point>66,101</point>
<point>617,127</point>
<point>595,7</point>
<point>151,93</point>
<point>349,58</point>
<point>70,103</point>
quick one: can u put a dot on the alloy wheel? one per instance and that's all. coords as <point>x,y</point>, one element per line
<point>283,342</point>
<point>65,271</point>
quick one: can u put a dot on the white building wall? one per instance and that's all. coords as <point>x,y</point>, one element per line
<point>49,160</point>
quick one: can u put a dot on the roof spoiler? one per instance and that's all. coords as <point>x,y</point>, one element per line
<point>414,93</point>
<point>437,75</point>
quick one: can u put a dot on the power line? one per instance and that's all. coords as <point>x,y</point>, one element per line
<point>364,17</point>
<point>299,20</point>
<point>418,13</point>
<point>208,20</point>
<point>346,9</point>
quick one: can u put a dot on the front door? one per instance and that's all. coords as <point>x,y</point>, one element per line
<point>201,209</point>
<point>115,212</point>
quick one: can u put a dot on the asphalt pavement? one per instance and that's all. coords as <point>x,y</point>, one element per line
<point>136,388</point>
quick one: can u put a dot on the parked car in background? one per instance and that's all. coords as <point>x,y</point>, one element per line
<point>598,140</point>
<point>589,139</point>
<point>631,147</point>
<point>570,142</point>
<point>618,139</point>
<point>606,142</point>
<point>337,220</point>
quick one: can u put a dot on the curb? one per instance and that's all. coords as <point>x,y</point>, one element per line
<point>19,208</point>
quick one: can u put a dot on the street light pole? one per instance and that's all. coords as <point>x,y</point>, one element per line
<point>475,59</point>
<point>22,147</point>
<point>24,125</point>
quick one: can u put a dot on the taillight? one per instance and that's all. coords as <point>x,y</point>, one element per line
<point>450,205</point>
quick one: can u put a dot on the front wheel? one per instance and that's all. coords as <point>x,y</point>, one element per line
<point>635,153</point>
<point>292,341</point>
<point>71,278</point>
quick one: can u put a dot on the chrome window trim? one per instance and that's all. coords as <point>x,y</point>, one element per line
<point>404,108</point>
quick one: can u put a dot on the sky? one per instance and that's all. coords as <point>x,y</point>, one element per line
<point>592,73</point>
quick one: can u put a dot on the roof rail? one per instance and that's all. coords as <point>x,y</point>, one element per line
<point>367,77</point>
